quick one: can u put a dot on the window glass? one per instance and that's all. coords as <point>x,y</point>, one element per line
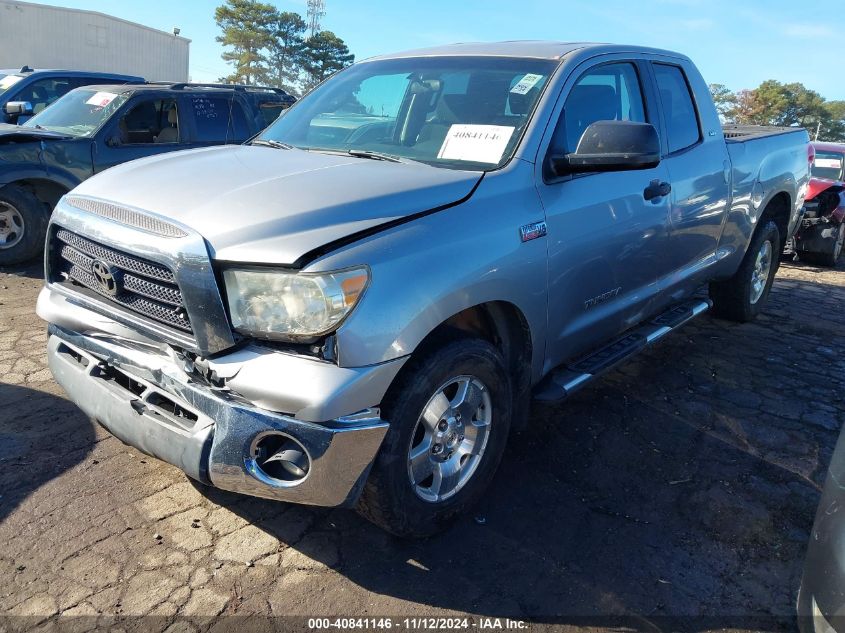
<point>151,120</point>
<point>211,114</point>
<point>240,128</point>
<point>80,112</point>
<point>828,165</point>
<point>606,93</point>
<point>678,107</point>
<point>270,111</point>
<point>43,92</point>
<point>456,112</point>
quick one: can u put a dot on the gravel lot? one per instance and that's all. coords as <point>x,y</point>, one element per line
<point>678,492</point>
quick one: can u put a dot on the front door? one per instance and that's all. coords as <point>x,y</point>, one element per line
<point>145,126</point>
<point>606,240</point>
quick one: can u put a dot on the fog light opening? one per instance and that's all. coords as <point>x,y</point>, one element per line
<point>281,458</point>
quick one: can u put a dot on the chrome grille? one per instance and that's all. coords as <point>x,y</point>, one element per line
<point>144,287</point>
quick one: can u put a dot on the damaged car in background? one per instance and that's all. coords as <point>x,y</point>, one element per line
<point>821,234</point>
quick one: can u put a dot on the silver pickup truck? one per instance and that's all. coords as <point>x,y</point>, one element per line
<point>356,307</point>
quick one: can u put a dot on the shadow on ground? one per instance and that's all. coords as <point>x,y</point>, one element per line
<point>672,494</point>
<point>41,437</point>
<point>31,270</point>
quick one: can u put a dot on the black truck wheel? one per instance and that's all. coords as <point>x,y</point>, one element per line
<point>742,297</point>
<point>449,413</point>
<point>23,225</point>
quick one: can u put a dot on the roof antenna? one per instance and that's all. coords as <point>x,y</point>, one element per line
<point>26,69</point>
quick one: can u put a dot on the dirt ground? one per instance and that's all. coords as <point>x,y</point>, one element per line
<point>677,493</point>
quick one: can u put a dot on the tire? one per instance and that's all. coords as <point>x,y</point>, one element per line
<point>830,258</point>
<point>23,225</point>
<point>742,297</point>
<point>423,507</point>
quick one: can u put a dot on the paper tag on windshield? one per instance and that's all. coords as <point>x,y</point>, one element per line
<point>101,99</point>
<point>9,81</point>
<point>526,83</point>
<point>476,143</point>
<point>833,163</point>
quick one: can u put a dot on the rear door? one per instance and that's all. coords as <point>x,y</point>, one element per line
<point>606,240</point>
<point>217,118</point>
<point>699,168</point>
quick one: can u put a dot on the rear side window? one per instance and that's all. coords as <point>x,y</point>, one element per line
<point>212,115</point>
<point>607,93</point>
<point>678,107</point>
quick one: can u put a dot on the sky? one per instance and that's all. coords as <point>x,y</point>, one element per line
<point>739,43</point>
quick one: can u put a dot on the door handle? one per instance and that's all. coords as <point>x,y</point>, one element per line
<point>657,189</point>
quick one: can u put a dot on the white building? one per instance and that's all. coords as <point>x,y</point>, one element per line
<point>43,36</point>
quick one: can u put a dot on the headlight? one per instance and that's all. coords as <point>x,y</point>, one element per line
<point>291,306</point>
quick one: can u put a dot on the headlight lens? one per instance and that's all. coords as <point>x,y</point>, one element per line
<point>291,306</point>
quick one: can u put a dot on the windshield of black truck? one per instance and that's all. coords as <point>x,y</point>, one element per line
<point>80,112</point>
<point>456,112</point>
<point>828,165</point>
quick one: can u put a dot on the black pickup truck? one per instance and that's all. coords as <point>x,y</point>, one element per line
<point>96,127</point>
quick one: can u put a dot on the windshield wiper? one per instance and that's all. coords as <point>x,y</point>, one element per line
<point>365,153</point>
<point>265,142</point>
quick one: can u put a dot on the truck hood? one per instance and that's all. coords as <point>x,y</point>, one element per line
<point>260,204</point>
<point>22,134</point>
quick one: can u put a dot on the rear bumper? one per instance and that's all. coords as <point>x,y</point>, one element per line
<point>144,398</point>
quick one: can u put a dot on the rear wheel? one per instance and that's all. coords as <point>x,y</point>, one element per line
<point>23,225</point>
<point>449,414</point>
<point>742,297</point>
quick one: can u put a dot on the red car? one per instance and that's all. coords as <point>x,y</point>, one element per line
<point>820,238</point>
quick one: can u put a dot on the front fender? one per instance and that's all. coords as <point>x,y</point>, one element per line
<point>429,269</point>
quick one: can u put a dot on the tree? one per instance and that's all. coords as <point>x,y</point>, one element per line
<point>246,26</point>
<point>286,49</point>
<point>724,100</point>
<point>323,55</point>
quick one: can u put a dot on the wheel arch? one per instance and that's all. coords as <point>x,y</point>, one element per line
<point>506,327</point>
<point>47,190</point>
<point>778,209</point>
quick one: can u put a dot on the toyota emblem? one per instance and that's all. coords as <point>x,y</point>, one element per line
<point>106,276</point>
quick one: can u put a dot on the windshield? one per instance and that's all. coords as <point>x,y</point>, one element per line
<point>456,112</point>
<point>828,165</point>
<point>80,112</point>
<point>7,81</point>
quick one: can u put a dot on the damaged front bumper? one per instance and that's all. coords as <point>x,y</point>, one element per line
<point>142,396</point>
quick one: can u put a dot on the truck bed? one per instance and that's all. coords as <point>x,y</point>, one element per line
<point>742,133</point>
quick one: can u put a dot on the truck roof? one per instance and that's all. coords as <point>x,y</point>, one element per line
<point>541,49</point>
<point>186,87</point>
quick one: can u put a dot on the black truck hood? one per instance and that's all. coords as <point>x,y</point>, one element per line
<point>23,134</point>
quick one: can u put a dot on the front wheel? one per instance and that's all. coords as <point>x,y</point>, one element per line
<point>742,297</point>
<point>23,225</point>
<point>449,414</point>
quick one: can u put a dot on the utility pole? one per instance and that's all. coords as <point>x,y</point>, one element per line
<point>316,10</point>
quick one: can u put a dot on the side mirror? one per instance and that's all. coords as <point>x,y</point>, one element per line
<point>18,107</point>
<point>611,146</point>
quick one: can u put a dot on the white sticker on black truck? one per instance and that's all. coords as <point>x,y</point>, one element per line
<point>476,143</point>
<point>526,83</point>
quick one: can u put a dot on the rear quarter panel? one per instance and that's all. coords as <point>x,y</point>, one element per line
<point>761,169</point>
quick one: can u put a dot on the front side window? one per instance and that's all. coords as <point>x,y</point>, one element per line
<point>828,165</point>
<point>80,112</point>
<point>453,112</point>
<point>678,107</point>
<point>607,93</point>
<point>42,93</point>
<point>150,120</point>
